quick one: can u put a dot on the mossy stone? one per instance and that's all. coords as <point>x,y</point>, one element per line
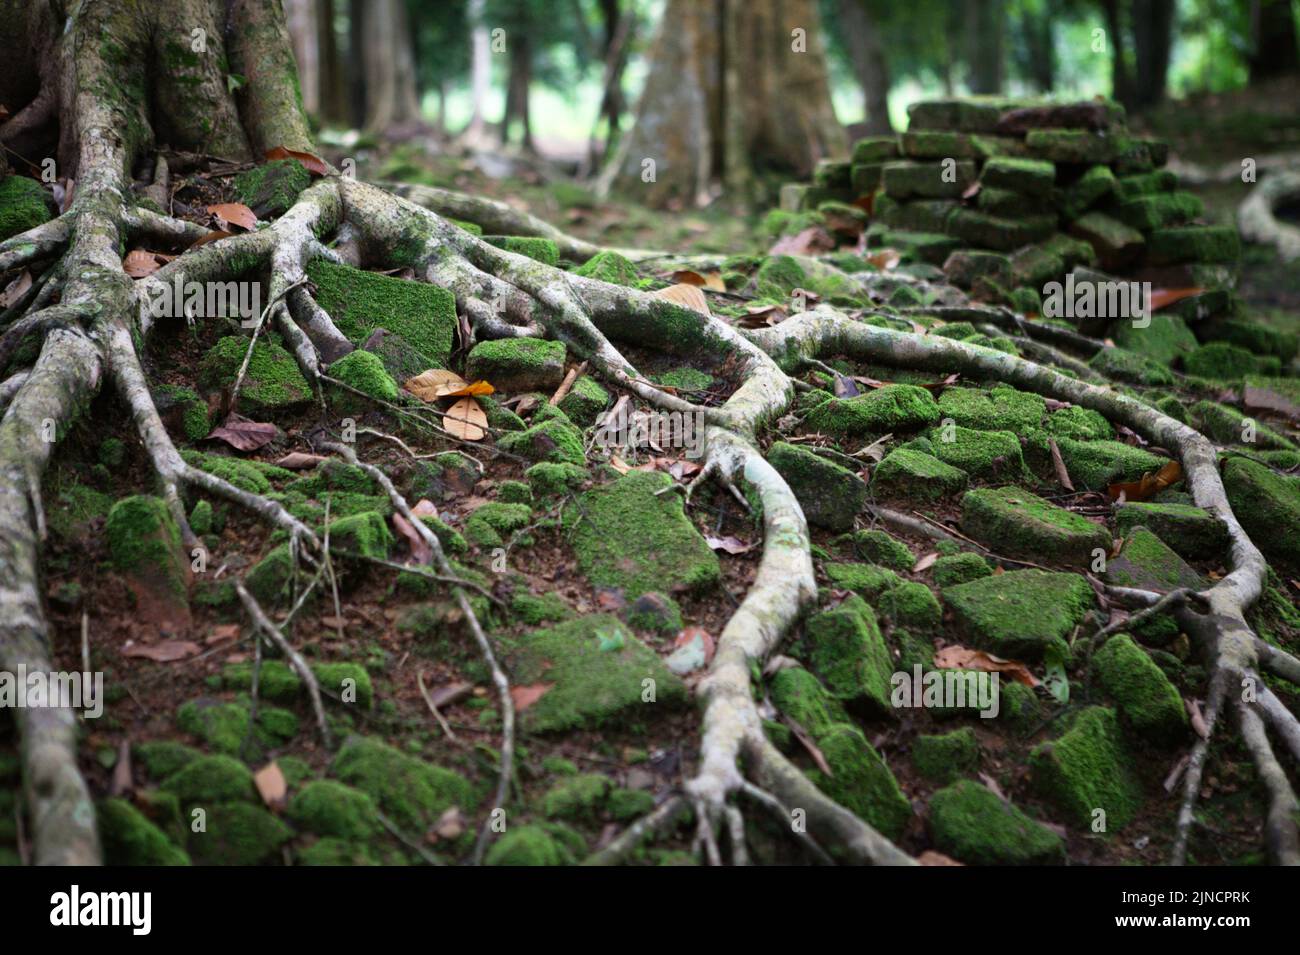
<point>1145,562</point>
<point>609,266</point>
<point>272,381</point>
<point>914,474</point>
<point>1268,506</point>
<point>409,791</point>
<point>1192,532</point>
<point>1094,465</point>
<point>577,798</point>
<point>329,808</point>
<point>912,605</point>
<point>860,780</point>
<point>1149,704</point>
<point>1086,769</point>
<point>209,780</point>
<point>364,372</point>
<point>163,757</point>
<point>1017,614</point>
<point>981,454</point>
<point>948,757</point>
<point>366,534</point>
<point>238,834</point>
<point>542,250</point>
<point>585,401</point>
<point>893,408</point>
<point>829,494</point>
<point>24,204</point>
<point>959,569</point>
<point>517,364</point>
<point>1018,523</point>
<point>272,188</point>
<point>528,845</point>
<point>279,683</point>
<point>970,823</point>
<point>848,652</point>
<point>128,837</point>
<point>878,547</point>
<point>555,440</point>
<point>866,580</point>
<point>799,695</point>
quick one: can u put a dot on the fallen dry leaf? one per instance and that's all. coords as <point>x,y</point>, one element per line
<point>709,280</point>
<point>421,552</point>
<point>271,785</point>
<point>810,241</point>
<point>1151,483</point>
<point>212,236</point>
<point>688,296</point>
<point>729,545</point>
<point>1062,474</point>
<point>314,164</point>
<point>885,259</point>
<point>425,508</point>
<point>964,658</point>
<point>466,420</point>
<point>299,461</point>
<point>762,316</point>
<point>243,434</point>
<point>450,825</point>
<point>234,213</point>
<point>925,562</point>
<point>930,857</point>
<point>526,696</point>
<point>169,651</point>
<point>1160,297</point>
<point>141,262</point>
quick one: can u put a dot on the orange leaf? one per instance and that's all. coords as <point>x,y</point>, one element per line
<point>1151,483</point>
<point>1160,297</point>
<point>688,296</point>
<point>885,259</point>
<point>477,388</point>
<point>709,280</point>
<point>315,165</point>
<point>234,213</point>
<point>466,420</point>
<point>526,696</point>
<point>963,658</point>
<point>212,236</point>
<point>435,383</point>
<point>271,785</point>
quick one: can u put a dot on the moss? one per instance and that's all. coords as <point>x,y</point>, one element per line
<point>23,205</point>
<point>127,837</point>
<point>625,535</point>
<point>517,364</point>
<point>163,758</point>
<point>596,672</point>
<point>272,188</point>
<point>224,727</point>
<point>336,852</point>
<point>778,276</point>
<point>1087,768</point>
<point>1268,506</point>
<point>800,696</point>
<point>971,824</point>
<point>829,494</point>
<point>1093,465</point>
<point>860,780</point>
<point>585,401</point>
<point>915,474</point>
<point>609,266</point>
<point>534,611</point>
<point>946,758</point>
<point>959,569</point>
<point>555,441</point>
<point>201,518</point>
<point>529,845</point>
<point>1017,614</point>
<point>848,652</point>
<point>893,408</point>
<point>333,474</point>
<point>1192,532</point>
<point>866,580</point>
<point>1229,426</point>
<point>514,492</point>
<point>489,524</point>
<point>1256,337</point>
<point>209,780</point>
<point>423,315</point>
<point>1001,409</point>
<point>1146,563</point>
<point>912,605</point>
<point>252,476</point>
<point>577,798</point>
<point>655,613</point>
<point>409,791</point>
<point>1149,704</point>
<point>144,540</point>
<point>366,534</point>
<point>626,805</point>
<point>447,475</point>
<point>1222,361</point>
<point>238,834</point>
<point>1082,424</point>
<point>271,382</point>
<point>1017,523</point>
<point>364,372</point>
<point>983,454</point>
<point>1120,364</point>
<point>1193,244</point>
<point>328,808</point>
<point>878,547</point>
<point>278,682</point>
<point>270,577</point>
<point>543,250</point>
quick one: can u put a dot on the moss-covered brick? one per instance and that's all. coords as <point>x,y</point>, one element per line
<point>972,824</point>
<point>1116,244</point>
<point>1001,409</point>
<point>399,359</point>
<point>1095,464</point>
<point>1017,614</point>
<point>656,613</point>
<point>585,401</point>
<point>628,536</point>
<point>1220,360</point>
<point>209,780</point>
<point>144,544</point>
<point>1149,704</point>
<point>1160,210</point>
<point>127,837</point>
<point>408,790</point>
<point>447,475</point>
<point>998,232</point>
<point>892,408</point>
<point>329,808</point>
<point>1120,364</point>
<point>1004,202</point>
<point>609,266</point>
<point>874,149</point>
<point>24,205</point>
<point>280,684</point>
<point>928,247</point>
<point>966,114</point>
<point>578,798</point>
<point>272,381</point>
<point>595,672</point>
<point>865,177</point>
<point>964,266</point>
<point>366,534</point>
<point>959,569</point>
<point>930,216</point>
<point>1254,336</point>
<point>1033,177</point>
<point>866,580</point>
<point>1192,532</point>
<point>1034,266</point>
<point>878,547</point>
<point>860,781</point>
<point>555,440</point>
<point>272,188</point>
<point>224,726</point>
<point>937,144</point>
<point>1073,145</point>
<point>182,410</point>
<point>1071,250</point>
<point>238,834</point>
<point>163,758</point>
<point>1018,523</point>
<point>359,302</point>
<point>948,757</point>
<point>928,180</point>
<point>529,845</point>
<point>915,474</point>
<point>490,525</point>
<point>912,605</point>
<point>364,372</point>
<point>1095,185</point>
<point>1166,340</point>
<point>848,652</point>
<point>1082,424</point>
<point>800,696</point>
<point>1268,506</point>
<point>549,478</point>
<point>517,364</point>
<point>981,454</point>
<point>1142,184</point>
<point>829,494</point>
<point>1193,244</point>
<point>1088,768</point>
<point>1145,562</point>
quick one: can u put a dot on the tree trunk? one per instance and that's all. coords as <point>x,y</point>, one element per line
<point>1040,65</point>
<point>480,71</point>
<point>519,83</point>
<point>1273,50</point>
<point>1153,23</point>
<point>389,66</point>
<point>986,26</point>
<point>619,26</point>
<point>333,85</point>
<point>732,89</point>
<point>300,16</point>
<point>1121,83</point>
<point>870,63</point>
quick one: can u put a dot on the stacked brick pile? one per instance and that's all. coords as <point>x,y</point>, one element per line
<point>1009,195</point>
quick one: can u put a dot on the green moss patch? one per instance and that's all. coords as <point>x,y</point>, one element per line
<point>409,791</point>
<point>829,494</point>
<point>893,408</point>
<point>1017,614</point>
<point>970,823</point>
<point>1149,704</point>
<point>848,652</point>
<point>517,364</point>
<point>1017,523</point>
<point>1191,531</point>
<point>1146,562</point>
<point>1088,769</point>
<point>271,383</point>
<point>915,474</point>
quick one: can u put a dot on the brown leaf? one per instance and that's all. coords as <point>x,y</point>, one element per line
<point>1151,483</point>
<point>169,651</point>
<point>806,741</point>
<point>212,236</point>
<point>421,552</point>
<point>222,633</point>
<point>963,658</point>
<point>439,383</point>
<point>234,213</point>
<point>271,785</point>
<point>688,296</point>
<point>315,165</point>
<point>425,508</point>
<point>16,289</point>
<point>930,857</point>
<point>728,545</point>
<point>709,280</point>
<point>762,316</point>
<point>1062,474</point>
<point>121,781</point>
<point>925,562</point>
<point>450,825</point>
<point>810,241</point>
<point>1160,297</point>
<point>466,420</point>
<point>885,259</point>
<point>141,262</point>
<point>299,461</point>
<point>526,696</point>
<point>450,693</point>
<point>243,434</point>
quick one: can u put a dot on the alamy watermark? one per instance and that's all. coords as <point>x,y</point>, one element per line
<point>657,430</point>
<point>947,689</point>
<point>1098,300</point>
<point>41,689</point>
<point>192,300</point>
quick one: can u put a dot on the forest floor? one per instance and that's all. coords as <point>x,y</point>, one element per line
<point>594,757</point>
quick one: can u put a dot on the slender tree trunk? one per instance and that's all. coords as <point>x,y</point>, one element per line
<point>480,72</point>
<point>357,95</point>
<point>619,26</point>
<point>333,91</point>
<point>518,87</point>
<point>1036,28</point>
<point>870,63</point>
<point>986,26</point>
<point>305,34</point>
<point>1121,83</point>
<point>1153,23</point>
<point>1273,50</point>
<point>389,65</point>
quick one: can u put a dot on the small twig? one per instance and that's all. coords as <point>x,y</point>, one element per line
<point>261,320</point>
<point>433,708</point>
